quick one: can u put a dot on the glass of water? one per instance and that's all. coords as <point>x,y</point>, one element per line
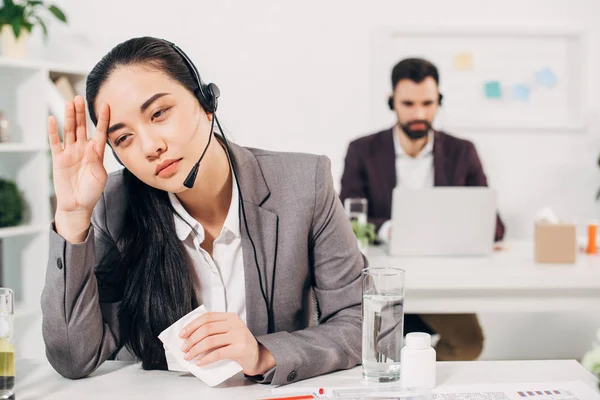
<point>383,323</point>
<point>356,209</point>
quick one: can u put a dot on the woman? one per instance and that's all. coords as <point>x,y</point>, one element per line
<point>251,236</point>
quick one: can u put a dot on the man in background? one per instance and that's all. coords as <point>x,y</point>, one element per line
<point>413,155</point>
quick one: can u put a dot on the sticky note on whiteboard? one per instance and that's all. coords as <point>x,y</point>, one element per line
<point>520,92</point>
<point>492,89</point>
<point>463,61</point>
<point>546,77</point>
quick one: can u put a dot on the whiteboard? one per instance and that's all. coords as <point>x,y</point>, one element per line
<point>491,79</point>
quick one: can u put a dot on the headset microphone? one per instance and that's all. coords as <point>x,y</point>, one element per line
<point>191,178</point>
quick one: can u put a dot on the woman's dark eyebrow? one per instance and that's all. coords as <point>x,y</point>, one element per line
<point>115,127</point>
<point>151,100</point>
<point>143,108</point>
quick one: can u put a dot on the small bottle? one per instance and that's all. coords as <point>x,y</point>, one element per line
<point>7,350</point>
<point>417,362</point>
<point>592,232</point>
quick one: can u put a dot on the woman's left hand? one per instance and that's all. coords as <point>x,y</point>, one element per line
<point>224,336</point>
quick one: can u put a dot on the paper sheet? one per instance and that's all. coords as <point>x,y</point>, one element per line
<point>573,390</point>
<point>492,89</point>
<point>211,374</point>
<point>546,77</point>
<point>463,61</point>
<point>520,92</point>
<point>355,389</point>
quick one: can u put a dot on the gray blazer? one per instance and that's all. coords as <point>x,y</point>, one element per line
<point>293,215</point>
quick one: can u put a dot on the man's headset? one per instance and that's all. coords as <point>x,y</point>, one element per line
<point>391,101</point>
<point>207,95</point>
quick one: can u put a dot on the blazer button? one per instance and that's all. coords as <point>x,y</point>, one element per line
<point>292,376</point>
<point>59,263</point>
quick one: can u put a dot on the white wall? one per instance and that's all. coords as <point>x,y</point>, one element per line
<point>294,76</point>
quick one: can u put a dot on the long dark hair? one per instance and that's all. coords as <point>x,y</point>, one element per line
<point>151,260</point>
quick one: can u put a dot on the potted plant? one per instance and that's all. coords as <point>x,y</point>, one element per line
<point>17,19</point>
<point>12,204</point>
<point>591,359</point>
<point>365,234</point>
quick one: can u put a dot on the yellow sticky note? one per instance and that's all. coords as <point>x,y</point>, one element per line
<point>463,61</point>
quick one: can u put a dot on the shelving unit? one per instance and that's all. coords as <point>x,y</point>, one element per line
<point>21,230</point>
<point>20,148</point>
<point>24,99</point>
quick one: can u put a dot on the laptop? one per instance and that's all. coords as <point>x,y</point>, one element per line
<point>443,221</point>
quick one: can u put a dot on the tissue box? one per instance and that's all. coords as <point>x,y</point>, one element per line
<point>555,243</point>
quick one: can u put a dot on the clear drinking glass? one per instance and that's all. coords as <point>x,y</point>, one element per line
<point>7,350</point>
<point>383,323</point>
<point>356,209</point>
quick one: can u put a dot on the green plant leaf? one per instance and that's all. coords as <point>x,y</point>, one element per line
<point>7,10</point>
<point>43,25</point>
<point>364,231</point>
<point>12,204</point>
<point>16,25</point>
<point>58,13</point>
<point>18,11</point>
<point>10,13</point>
<point>35,3</point>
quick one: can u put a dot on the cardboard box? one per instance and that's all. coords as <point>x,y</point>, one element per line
<point>555,243</point>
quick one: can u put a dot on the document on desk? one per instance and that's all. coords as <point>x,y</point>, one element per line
<point>573,390</point>
<point>358,390</point>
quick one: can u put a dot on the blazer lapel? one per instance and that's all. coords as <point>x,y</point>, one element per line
<point>440,169</point>
<point>263,226</point>
<point>385,156</point>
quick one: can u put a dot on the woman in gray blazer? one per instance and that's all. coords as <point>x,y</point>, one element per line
<point>253,235</point>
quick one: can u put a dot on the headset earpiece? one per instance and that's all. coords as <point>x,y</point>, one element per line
<point>440,99</point>
<point>211,95</point>
<point>207,94</point>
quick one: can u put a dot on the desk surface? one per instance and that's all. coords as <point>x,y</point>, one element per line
<point>507,281</point>
<point>119,380</point>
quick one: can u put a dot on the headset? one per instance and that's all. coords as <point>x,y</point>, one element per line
<point>391,101</point>
<point>208,95</point>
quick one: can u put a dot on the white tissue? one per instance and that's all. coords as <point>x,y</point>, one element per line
<point>172,362</point>
<point>211,374</point>
<point>546,215</point>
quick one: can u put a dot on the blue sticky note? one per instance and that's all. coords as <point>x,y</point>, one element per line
<point>520,92</point>
<point>546,77</point>
<point>493,90</point>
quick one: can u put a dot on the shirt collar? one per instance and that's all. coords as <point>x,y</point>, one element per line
<point>428,149</point>
<point>183,227</point>
<point>232,221</point>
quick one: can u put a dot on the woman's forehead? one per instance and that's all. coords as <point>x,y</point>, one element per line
<point>131,86</point>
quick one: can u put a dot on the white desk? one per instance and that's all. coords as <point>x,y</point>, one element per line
<point>507,281</point>
<point>119,380</point>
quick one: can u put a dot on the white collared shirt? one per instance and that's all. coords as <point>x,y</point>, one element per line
<point>411,172</point>
<point>220,282</point>
<point>414,172</point>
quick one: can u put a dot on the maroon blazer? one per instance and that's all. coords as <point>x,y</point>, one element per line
<point>370,171</point>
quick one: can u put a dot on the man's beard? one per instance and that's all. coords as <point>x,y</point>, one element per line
<point>415,134</point>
